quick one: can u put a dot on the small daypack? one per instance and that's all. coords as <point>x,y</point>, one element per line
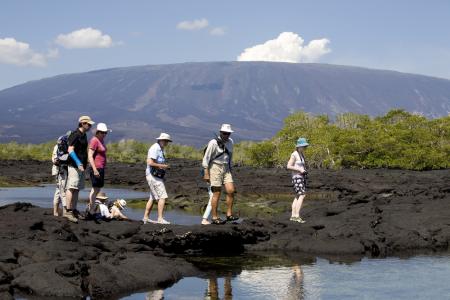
<point>62,152</point>
<point>221,145</point>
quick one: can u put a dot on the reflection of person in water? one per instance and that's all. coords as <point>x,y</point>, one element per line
<point>295,286</point>
<point>212,290</point>
<point>155,295</point>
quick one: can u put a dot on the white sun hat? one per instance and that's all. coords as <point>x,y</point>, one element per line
<point>122,203</point>
<point>226,128</point>
<point>164,136</point>
<point>102,127</point>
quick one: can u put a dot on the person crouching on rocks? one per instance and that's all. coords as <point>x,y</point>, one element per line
<point>100,208</point>
<point>217,171</point>
<point>155,172</point>
<point>297,165</point>
<point>116,209</point>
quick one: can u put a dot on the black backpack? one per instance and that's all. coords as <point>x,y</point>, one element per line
<point>221,145</point>
<point>62,153</point>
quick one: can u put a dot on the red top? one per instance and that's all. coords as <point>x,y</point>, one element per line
<point>99,152</point>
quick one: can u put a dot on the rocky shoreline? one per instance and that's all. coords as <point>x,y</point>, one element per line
<point>373,213</point>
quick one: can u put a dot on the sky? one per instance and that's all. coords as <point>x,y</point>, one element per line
<point>45,38</point>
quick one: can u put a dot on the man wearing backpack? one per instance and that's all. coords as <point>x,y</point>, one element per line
<point>217,171</point>
<point>78,157</point>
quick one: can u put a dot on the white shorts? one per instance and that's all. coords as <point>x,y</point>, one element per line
<point>75,179</point>
<point>157,188</point>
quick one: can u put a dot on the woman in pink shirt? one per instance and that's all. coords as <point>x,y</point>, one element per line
<point>97,160</point>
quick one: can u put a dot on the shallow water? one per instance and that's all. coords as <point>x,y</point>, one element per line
<point>43,196</point>
<point>420,277</point>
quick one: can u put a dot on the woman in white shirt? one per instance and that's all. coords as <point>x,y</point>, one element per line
<point>297,165</point>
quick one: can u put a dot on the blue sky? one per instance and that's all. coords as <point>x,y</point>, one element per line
<point>408,36</point>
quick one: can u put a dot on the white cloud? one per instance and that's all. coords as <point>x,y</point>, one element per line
<point>19,53</point>
<point>287,47</point>
<point>193,25</point>
<point>217,31</point>
<point>84,38</point>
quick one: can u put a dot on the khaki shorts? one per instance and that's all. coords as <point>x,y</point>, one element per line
<point>157,188</point>
<point>219,175</point>
<point>75,179</point>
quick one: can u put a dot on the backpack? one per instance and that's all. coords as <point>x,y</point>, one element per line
<point>62,152</point>
<point>221,145</point>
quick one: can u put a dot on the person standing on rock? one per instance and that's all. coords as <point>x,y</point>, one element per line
<point>297,165</point>
<point>97,160</point>
<point>78,158</point>
<point>217,172</point>
<point>60,173</point>
<point>154,173</point>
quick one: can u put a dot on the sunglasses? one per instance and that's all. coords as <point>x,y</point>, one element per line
<point>90,125</point>
<point>104,132</point>
<point>226,133</point>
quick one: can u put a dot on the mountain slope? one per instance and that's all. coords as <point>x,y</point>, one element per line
<point>190,100</point>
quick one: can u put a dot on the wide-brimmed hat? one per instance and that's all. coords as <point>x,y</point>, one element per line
<point>121,203</point>
<point>226,128</point>
<point>301,142</point>
<point>102,127</point>
<point>101,196</point>
<point>164,137</point>
<point>86,119</point>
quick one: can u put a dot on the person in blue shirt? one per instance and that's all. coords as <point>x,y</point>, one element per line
<point>154,173</point>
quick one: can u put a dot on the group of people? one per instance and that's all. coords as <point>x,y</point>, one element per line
<point>216,168</point>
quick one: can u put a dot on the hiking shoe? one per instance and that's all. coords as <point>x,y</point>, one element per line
<point>232,218</point>
<point>218,221</point>
<point>300,220</point>
<point>69,216</point>
<point>148,221</point>
<point>163,221</point>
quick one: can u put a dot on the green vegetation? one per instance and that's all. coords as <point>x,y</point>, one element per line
<point>396,140</point>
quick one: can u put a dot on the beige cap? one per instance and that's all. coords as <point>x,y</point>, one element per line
<point>86,119</point>
<point>101,196</point>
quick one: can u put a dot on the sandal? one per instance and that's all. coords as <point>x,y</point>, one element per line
<point>232,218</point>
<point>218,221</point>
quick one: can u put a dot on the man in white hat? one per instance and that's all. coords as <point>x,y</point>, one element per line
<point>154,173</point>
<point>217,171</point>
<point>78,158</point>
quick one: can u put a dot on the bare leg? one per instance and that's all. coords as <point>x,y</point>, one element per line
<point>294,208</point>
<point>56,199</point>
<point>161,203</point>
<point>215,202</point>
<point>299,204</point>
<point>69,196</point>
<point>229,189</point>
<point>92,195</point>
<point>148,208</point>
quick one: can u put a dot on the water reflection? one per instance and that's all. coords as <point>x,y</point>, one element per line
<point>212,291</point>
<point>267,283</point>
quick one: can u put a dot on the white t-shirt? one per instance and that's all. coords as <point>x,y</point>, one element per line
<point>156,153</point>
<point>299,161</point>
<point>104,211</point>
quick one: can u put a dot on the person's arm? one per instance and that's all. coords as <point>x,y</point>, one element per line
<point>152,157</point>
<point>291,165</point>
<point>207,159</point>
<point>92,147</point>
<point>73,139</point>
<point>54,155</point>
